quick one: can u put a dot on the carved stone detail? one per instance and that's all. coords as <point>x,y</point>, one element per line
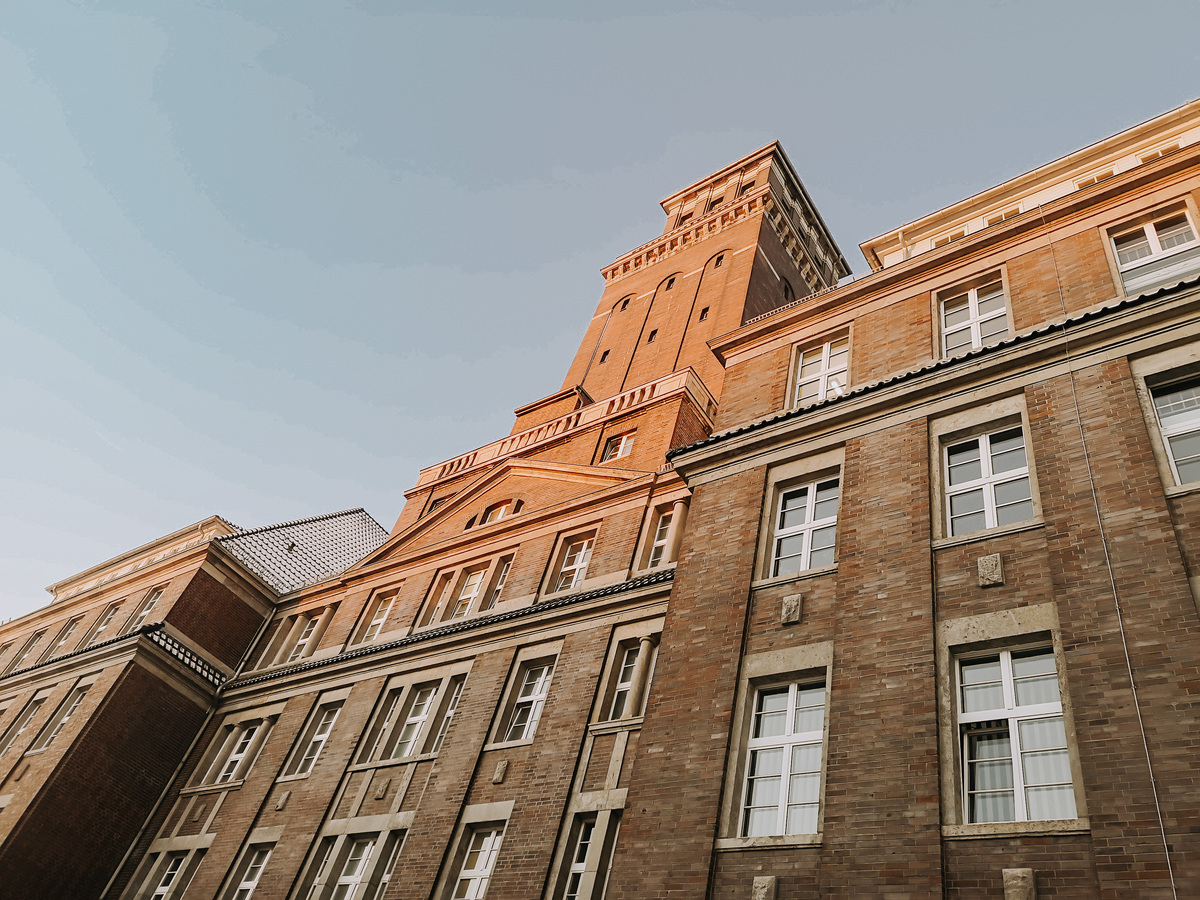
<point>793,605</point>
<point>764,888</point>
<point>1019,884</point>
<point>991,570</point>
<point>501,771</point>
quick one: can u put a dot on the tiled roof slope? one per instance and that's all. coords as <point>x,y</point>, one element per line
<point>292,555</point>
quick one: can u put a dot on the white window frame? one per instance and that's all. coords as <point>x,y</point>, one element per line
<point>976,322</point>
<point>31,644</point>
<point>403,726</point>
<point>301,645</point>
<point>989,483</point>
<point>143,611</point>
<point>1181,426</point>
<point>253,865</point>
<point>360,850</point>
<point>237,754</point>
<point>481,847</point>
<point>1007,718</point>
<point>469,588</point>
<point>62,716</point>
<point>572,569</point>
<point>102,623</point>
<point>828,363</point>
<point>23,720</point>
<point>577,868</point>
<point>1160,271</point>
<point>447,710</point>
<point>797,696</point>
<point>529,692</point>
<point>811,529</point>
<point>314,738</point>
<point>660,542</point>
<point>378,611</point>
<point>617,446</point>
<point>61,638</point>
<point>170,874</point>
<point>455,595</point>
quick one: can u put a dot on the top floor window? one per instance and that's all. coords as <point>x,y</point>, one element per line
<point>501,510</point>
<point>805,528</point>
<point>973,317</point>
<point>1157,253</point>
<point>1178,409</point>
<point>617,446</point>
<point>143,611</point>
<point>821,371</point>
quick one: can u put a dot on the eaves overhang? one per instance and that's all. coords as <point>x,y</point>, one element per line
<point>682,457</point>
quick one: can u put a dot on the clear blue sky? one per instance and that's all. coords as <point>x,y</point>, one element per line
<point>268,259</point>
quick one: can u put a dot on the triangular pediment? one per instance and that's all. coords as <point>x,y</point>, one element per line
<point>535,484</point>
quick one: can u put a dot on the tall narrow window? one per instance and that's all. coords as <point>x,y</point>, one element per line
<point>255,862</point>
<point>467,593</point>
<point>624,686</point>
<point>477,866</point>
<point>405,741</point>
<point>1016,765</point>
<point>62,642</point>
<point>169,876</point>
<point>806,528</point>
<point>1178,409</point>
<point>21,724</point>
<point>61,718</point>
<point>314,738</point>
<point>578,866</point>
<point>100,630</point>
<point>234,750</point>
<point>26,657</point>
<point>782,792</point>
<point>662,536</point>
<point>451,706</point>
<point>531,697</point>
<point>973,317</point>
<point>306,633</point>
<point>497,585</point>
<point>238,754</point>
<point>574,564</point>
<point>377,614</point>
<point>821,371</point>
<point>143,611</point>
<point>354,869</point>
<point>987,480</point>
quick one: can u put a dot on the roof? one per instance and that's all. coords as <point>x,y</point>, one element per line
<point>292,555</point>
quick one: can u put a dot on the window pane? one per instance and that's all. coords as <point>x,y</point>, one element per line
<point>990,746</point>
<point>1174,233</point>
<point>1132,247</point>
<point>957,339</point>
<point>1043,734</point>
<point>997,807</point>
<point>770,719</point>
<point>826,503</point>
<point>1051,802</point>
<point>761,821</point>
<point>805,788</point>
<point>821,557</point>
<point>966,502</point>
<point>788,555</point>
<point>1042,689</point>
<point>794,508</point>
<point>993,329</point>
<point>955,311</point>
<point>1046,767</point>
<point>809,391</point>
<point>1178,403</point>
<point>966,524</point>
<point>991,775</point>
<point>802,819</point>
<point>978,697</point>
<point>963,460</point>
<point>806,759</point>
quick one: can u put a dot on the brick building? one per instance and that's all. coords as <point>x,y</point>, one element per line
<point>800,586</point>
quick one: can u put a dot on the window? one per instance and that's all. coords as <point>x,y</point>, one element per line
<point>1094,178</point>
<point>354,867</point>
<point>21,724</point>
<point>684,219</point>
<point>235,748</point>
<point>472,589</point>
<point>299,635</point>
<point>467,593</point>
<point>1178,409</point>
<point>170,874</point>
<point>704,314</point>
<point>143,611</point>
<point>821,371</point>
<point>578,867</point>
<point>406,722</point>
<point>61,718</point>
<point>661,542</point>
<point>987,482</point>
<point>973,317</point>
<point>313,739</point>
<point>61,641</point>
<point>670,283</point>
<point>653,335</point>
<point>25,656</point>
<point>251,870</point>
<point>715,202</point>
<point>576,554</point>
<point>805,528</point>
<point>945,239</point>
<point>604,357</point>
<point>1016,766</point>
<point>782,789</point>
<point>99,631</point>
<point>1160,151</point>
<point>496,587</point>
<point>306,633</point>
<point>625,304</point>
<point>1159,252</point>
<point>436,502</point>
<point>747,187</point>
<point>1005,215</point>
<point>377,614</point>
<point>498,511</point>
<point>720,259</point>
<point>617,446</point>
<point>534,680</point>
<point>477,866</point>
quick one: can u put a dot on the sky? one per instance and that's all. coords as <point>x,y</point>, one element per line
<point>267,260</point>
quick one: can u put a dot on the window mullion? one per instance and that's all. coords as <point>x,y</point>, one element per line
<point>1019,807</point>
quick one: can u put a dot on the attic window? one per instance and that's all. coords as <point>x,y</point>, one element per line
<point>947,238</point>
<point>653,335</point>
<point>670,282</point>
<point>746,188</point>
<point>498,511</point>
<point>720,259</point>
<point>684,219</point>
<point>704,314</point>
<point>1161,151</point>
<point>435,503</point>
<point>625,304</point>
<point>603,356</point>
<point>1003,216</point>
<point>1094,178</point>
<point>716,201</point>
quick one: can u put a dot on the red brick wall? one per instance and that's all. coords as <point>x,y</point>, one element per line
<point>210,614</point>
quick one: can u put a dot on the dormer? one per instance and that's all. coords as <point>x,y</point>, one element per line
<point>1079,171</point>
